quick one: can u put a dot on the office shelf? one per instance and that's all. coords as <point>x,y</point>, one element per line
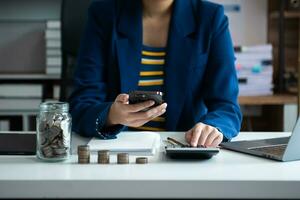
<point>13,77</point>
<point>47,81</point>
<point>268,100</point>
<point>28,20</point>
<point>286,14</point>
<point>284,35</point>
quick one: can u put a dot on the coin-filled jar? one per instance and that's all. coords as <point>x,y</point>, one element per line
<point>53,126</point>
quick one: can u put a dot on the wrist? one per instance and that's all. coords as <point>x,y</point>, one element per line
<point>110,118</point>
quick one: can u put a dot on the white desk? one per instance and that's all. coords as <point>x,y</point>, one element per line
<point>227,175</point>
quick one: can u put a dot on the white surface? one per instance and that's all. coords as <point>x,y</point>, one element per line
<point>138,143</point>
<point>227,175</point>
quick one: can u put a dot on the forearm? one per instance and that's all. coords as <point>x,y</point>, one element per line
<point>226,117</point>
<point>90,120</point>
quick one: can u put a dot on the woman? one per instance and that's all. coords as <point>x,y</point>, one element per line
<point>180,47</point>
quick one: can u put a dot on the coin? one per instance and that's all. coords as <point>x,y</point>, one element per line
<point>83,161</point>
<point>83,152</point>
<point>141,160</point>
<point>103,157</point>
<point>47,151</point>
<point>43,126</point>
<point>60,151</point>
<point>83,148</point>
<point>54,132</point>
<point>103,152</point>
<point>123,158</point>
<point>83,156</point>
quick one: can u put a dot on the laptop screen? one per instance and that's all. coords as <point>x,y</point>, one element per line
<point>17,143</point>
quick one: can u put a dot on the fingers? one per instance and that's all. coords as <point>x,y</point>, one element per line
<point>141,118</point>
<point>188,136</point>
<point>151,114</point>
<point>122,98</point>
<point>157,114</point>
<point>205,132</point>
<point>139,106</point>
<point>196,133</point>
<point>122,112</point>
<point>217,141</point>
<point>199,134</point>
<point>214,138</point>
<point>141,122</point>
<point>204,135</point>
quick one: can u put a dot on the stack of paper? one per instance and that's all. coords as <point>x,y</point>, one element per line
<point>53,47</point>
<point>137,143</point>
<point>254,70</point>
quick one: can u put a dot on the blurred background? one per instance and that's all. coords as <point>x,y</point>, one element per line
<point>39,41</point>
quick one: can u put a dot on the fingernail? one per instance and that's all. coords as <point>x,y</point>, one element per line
<point>151,103</point>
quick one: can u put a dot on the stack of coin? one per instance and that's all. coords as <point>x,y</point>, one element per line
<point>141,160</point>
<point>123,158</point>
<point>103,157</point>
<point>83,154</point>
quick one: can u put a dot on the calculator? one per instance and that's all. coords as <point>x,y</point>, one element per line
<point>190,152</point>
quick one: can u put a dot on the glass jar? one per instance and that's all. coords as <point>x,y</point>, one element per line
<point>53,125</point>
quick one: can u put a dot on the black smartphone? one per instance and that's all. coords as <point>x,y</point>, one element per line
<point>141,96</point>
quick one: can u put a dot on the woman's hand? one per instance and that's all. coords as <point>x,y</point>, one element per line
<point>204,135</point>
<point>121,112</point>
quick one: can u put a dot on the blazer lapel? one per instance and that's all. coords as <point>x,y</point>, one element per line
<point>179,60</point>
<point>179,53</point>
<point>129,44</point>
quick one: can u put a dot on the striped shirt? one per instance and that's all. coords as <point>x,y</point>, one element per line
<point>152,79</point>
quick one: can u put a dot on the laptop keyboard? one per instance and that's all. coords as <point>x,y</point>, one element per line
<point>277,150</point>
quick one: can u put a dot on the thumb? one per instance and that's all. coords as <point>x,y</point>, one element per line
<point>122,98</point>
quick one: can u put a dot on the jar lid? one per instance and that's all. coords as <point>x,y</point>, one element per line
<point>52,106</point>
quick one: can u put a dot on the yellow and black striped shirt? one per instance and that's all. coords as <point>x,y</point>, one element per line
<point>152,79</point>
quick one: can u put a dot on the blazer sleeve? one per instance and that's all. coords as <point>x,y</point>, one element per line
<point>220,81</point>
<point>89,108</point>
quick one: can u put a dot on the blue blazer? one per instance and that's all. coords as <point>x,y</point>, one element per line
<point>200,78</point>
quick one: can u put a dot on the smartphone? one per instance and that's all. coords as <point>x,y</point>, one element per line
<point>141,96</point>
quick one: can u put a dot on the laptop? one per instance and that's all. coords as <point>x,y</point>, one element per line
<point>281,149</point>
<point>17,143</point>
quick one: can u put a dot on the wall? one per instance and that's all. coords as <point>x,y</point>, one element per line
<point>22,25</point>
<point>249,26</point>
<point>29,9</point>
